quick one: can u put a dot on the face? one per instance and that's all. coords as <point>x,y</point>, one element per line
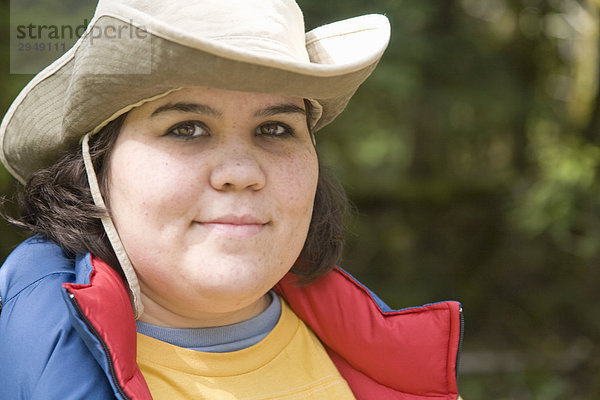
<point>211,192</point>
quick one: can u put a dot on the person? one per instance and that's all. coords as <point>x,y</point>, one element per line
<point>185,234</point>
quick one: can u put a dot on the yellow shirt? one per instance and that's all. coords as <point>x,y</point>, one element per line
<point>290,363</point>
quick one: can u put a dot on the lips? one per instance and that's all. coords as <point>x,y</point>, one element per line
<point>237,220</point>
<point>235,226</point>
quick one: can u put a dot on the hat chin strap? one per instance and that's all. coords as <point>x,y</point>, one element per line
<point>111,231</point>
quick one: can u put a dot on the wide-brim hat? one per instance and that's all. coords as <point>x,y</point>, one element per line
<point>137,50</point>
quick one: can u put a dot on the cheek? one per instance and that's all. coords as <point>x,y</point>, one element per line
<point>154,176</point>
<point>149,184</point>
<point>297,183</point>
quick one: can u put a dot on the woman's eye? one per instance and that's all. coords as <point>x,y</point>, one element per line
<point>188,130</point>
<point>274,129</point>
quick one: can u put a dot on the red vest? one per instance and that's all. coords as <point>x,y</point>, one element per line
<point>408,354</point>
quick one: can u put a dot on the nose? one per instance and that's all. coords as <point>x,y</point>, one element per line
<point>237,170</point>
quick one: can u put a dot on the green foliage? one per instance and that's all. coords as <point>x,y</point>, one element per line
<point>564,200</point>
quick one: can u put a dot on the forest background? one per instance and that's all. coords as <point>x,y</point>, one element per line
<point>472,156</point>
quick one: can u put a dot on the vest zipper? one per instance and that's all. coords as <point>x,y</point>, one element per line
<point>460,339</point>
<point>111,367</point>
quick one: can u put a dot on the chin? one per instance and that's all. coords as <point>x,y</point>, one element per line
<point>233,280</point>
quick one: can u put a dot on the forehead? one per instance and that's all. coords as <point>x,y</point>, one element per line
<point>218,100</point>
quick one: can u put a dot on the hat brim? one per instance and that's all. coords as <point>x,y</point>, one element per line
<point>95,80</point>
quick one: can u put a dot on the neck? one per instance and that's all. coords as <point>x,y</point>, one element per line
<point>161,315</point>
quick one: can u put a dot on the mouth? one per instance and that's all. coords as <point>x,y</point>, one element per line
<point>235,226</point>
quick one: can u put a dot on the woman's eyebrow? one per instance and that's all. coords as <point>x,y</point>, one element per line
<point>205,109</point>
<point>187,107</point>
<point>280,109</point>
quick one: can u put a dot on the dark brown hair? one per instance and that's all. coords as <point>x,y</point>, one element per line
<point>57,202</point>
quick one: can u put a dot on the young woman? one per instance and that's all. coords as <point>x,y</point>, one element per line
<point>186,236</point>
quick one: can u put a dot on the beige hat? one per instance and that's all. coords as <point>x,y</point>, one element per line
<point>137,50</point>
